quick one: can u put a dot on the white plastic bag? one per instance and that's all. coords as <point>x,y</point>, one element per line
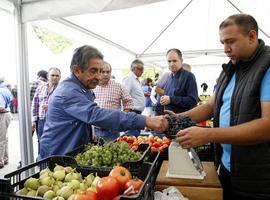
<point>171,193</point>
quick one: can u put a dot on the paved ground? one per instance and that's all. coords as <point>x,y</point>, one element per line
<point>14,147</point>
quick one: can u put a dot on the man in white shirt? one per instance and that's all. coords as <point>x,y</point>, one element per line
<point>133,85</point>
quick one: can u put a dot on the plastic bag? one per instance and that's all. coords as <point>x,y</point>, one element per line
<point>171,193</point>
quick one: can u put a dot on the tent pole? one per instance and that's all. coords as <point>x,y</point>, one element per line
<point>25,129</point>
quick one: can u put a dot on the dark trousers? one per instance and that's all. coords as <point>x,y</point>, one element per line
<point>39,130</point>
<point>225,180</point>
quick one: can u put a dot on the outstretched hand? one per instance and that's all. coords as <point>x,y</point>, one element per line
<point>159,123</point>
<point>171,113</point>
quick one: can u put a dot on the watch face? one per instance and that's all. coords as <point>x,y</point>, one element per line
<point>195,159</point>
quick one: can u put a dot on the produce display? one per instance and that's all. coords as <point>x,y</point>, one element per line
<point>107,155</point>
<point>157,144</point>
<point>178,123</point>
<point>65,183</point>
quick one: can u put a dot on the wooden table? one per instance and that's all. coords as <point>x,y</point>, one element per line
<point>207,189</point>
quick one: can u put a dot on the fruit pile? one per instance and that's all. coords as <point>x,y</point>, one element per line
<point>65,183</point>
<point>60,184</point>
<point>178,123</point>
<point>118,182</point>
<point>108,155</point>
<point>157,144</point>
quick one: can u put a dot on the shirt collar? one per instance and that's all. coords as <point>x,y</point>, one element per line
<point>133,75</point>
<point>77,81</point>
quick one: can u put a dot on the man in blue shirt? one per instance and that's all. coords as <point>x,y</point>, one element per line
<point>180,91</point>
<point>72,111</point>
<point>240,106</point>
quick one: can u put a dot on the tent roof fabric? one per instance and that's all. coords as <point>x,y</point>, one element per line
<point>149,30</point>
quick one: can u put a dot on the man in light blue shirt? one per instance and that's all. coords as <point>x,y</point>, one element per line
<point>72,110</point>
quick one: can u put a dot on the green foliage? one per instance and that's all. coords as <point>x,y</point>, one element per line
<point>55,42</point>
<point>149,72</point>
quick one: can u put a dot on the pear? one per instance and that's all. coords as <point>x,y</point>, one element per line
<point>32,193</point>
<point>32,183</point>
<point>65,192</point>
<point>49,181</point>
<point>49,194</point>
<point>59,175</point>
<point>58,167</point>
<point>42,190</point>
<point>23,191</point>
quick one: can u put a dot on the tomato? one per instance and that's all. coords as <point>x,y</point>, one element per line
<point>131,139</point>
<point>136,183</point>
<point>122,175</point>
<point>125,137</point>
<point>117,197</point>
<point>154,149</point>
<point>151,138</point>
<point>156,144</point>
<point>82,195</point>
<point>134,147</point>
<point>166,140</point>
<point>107,188</point>
<point>119,139</point>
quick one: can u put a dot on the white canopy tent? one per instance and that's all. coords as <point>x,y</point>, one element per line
<point>125,29</point>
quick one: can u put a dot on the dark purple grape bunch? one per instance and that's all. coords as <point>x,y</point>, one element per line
<point>178,123</point>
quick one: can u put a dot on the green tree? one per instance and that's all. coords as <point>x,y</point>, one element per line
<point>55,42</point>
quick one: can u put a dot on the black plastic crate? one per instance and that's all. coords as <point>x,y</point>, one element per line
<point>15,180</point>
<point>133,166</point>
<point>147,190</point>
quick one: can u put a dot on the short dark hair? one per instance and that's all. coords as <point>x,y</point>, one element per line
<point>179,53</point>
<point>106,63</point>
<point>42,74</point>
<point>135,63</point>
<point>82,55</point>
<point>245,22</point>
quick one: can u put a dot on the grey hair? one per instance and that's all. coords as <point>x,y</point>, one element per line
<point>135,63</point>
<point>83,54</point>
<point>55,68</point>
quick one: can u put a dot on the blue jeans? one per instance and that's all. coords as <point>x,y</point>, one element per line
<point>40,127</point>
<point>110,135</point>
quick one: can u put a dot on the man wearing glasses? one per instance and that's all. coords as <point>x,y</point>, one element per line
<point>133,85</point>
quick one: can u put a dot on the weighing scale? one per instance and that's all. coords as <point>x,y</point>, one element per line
<point>184,163</point>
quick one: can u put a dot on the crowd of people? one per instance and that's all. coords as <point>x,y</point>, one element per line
<point>89,104</point>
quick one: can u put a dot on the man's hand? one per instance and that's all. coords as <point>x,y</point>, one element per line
<point>192,137</point>
<point>158,124</point>
<point>165,100</point>
<point>171,113</point>
<point>33,127</point>
<point>159,90</point>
